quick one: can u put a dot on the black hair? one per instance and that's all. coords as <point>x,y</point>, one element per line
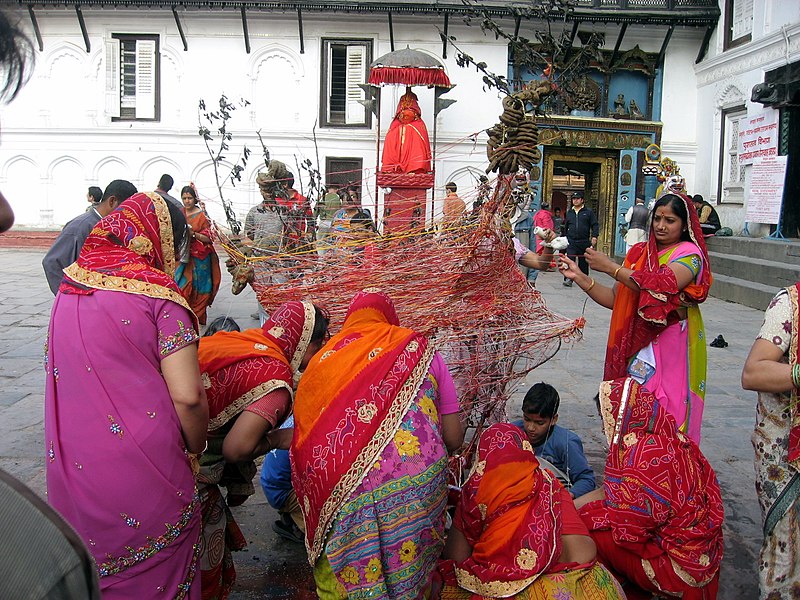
<point>290,180</point>
<point>96,193</point>
<point>187,189</point>
<point>179,228</point>
<point>451,187</point>
<point>362,218</point>
<point>221,324</point>
<point>16,54</point>
<point>678,206</point>
<point>166,182</point>
<point>321,322</point>
<point>120,189</point>
<point>597,403</point>
<point>697,198</point>
<point>542,399</point>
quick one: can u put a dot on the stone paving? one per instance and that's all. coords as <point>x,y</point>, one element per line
<point>273,568</point>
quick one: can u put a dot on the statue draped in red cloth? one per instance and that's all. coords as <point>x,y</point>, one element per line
<point>407,148</point>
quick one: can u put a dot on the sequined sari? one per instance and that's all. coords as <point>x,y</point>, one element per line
<point>117,469</point>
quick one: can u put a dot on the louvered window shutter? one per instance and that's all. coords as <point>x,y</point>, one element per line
<point>112,77</point>
<point>356,70</point>
<point>145,79</point>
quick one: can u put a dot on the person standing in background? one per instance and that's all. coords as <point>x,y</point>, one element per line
<point>543,219</point>
<point>165,184</point>
<point>581,231</point>
<point>636,218</point>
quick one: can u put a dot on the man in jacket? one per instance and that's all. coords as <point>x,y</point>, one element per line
<point>581,229</point>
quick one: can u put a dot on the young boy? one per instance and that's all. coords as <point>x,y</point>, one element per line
<point>561,447</point>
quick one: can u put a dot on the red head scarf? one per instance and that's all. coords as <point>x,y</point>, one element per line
<point>349,404</point>
<point>661,495</point>
<point>131,250</point>
<point>510,513</point>
<point>639,316</point>
<point>284,338</point>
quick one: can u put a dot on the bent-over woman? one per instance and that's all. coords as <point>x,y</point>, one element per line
<point>375,414</point>
<point>249,379</point>
<point>199,278</point>
<point>657,521</point>
<point>773,370</point>
<point>124,404</point>
<point>516,533</point>
<point>656,334</point>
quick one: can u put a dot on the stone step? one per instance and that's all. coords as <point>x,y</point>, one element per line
<point>758,270</point>
<point>781,251</point>
<point>749,293</point>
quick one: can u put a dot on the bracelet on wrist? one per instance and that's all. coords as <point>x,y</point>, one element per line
<point>617,271</point>
<point>796,375</point>
<point>591,285</point>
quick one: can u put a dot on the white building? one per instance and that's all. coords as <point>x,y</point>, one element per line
<point>117,84</point>
<point>755,38</point>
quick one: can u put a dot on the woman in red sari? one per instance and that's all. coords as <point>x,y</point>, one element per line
<point>658,519</point>
<point>249,379</point>
<point>516,533</point>
<point>656,333</point>
<point>407,148</point>
<point>199,278</point>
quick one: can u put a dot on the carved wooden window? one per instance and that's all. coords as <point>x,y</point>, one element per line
<point>730,185</point>
<point>738,23</point>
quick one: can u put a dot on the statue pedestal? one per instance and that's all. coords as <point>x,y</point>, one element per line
<point>404,205</point>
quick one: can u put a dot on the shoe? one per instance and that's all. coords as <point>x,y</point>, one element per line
<point>719,342</point>
<point>289,532</point>
<point>567,283</point>
<point>254,316</point>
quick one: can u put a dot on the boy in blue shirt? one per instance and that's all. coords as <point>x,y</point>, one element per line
<point>557,445</point>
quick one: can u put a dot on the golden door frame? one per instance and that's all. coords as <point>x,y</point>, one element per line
<point>607,201</point>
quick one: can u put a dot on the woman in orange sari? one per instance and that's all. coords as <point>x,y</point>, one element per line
<point>249,377</point>
<point>200,277</point>
<point>375,414</point>
<point>656,334</point>
<point>516,533</point>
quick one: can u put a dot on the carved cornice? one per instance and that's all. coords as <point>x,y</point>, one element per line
<point>615,134</point>
<point>765,51</point>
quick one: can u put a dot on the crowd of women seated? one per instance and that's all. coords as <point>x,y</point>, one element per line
<point>152,434</point>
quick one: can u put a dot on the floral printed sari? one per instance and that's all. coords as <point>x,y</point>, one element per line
<point>199,279</point>
<point>368,460</point>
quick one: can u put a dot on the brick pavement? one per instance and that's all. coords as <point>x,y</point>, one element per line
<point>273,568</point>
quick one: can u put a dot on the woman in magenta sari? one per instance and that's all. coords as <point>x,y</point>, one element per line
<point>375,413</point>
<point>656,334</point>
<point>124,404</point>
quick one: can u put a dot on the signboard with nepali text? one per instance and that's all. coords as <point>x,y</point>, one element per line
<point>758,136</point>
<point>766,190</point>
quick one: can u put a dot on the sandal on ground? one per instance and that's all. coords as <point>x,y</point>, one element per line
<point>289,532</point>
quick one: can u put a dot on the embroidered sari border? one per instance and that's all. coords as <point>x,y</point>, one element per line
<point>245,400</point>
<point>358,470</point>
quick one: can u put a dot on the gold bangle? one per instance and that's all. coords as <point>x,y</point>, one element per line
<point>617,271</point>
<point>588,289</point>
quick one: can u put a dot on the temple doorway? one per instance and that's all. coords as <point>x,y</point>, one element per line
<point>594,172</point>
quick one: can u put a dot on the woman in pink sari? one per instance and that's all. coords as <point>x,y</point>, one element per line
<point>656,334</point>
<point>124,404</point>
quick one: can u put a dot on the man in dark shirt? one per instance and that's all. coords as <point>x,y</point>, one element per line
<point>165,183</point>
<point>581,228</point>
<point>69,242</point>
<point>709,219</point>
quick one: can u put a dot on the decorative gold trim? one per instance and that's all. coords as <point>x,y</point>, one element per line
<point>246,400</point>
<point>366,458</point>
<point>305,336</point>
<point>164,233</point>
<point>606,411</point>
<point>114,283</point>
<point>491,589</point>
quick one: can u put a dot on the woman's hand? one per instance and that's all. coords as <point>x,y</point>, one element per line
<point>599,261</point>
<point>568,267</point>
<point>547,235</point>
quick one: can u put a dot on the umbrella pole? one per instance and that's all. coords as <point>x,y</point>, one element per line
<point>377,151</point>
<point>433,160</point>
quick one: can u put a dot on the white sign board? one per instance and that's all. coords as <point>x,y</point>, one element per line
<point>758,136</point>
<point>766,190</point>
